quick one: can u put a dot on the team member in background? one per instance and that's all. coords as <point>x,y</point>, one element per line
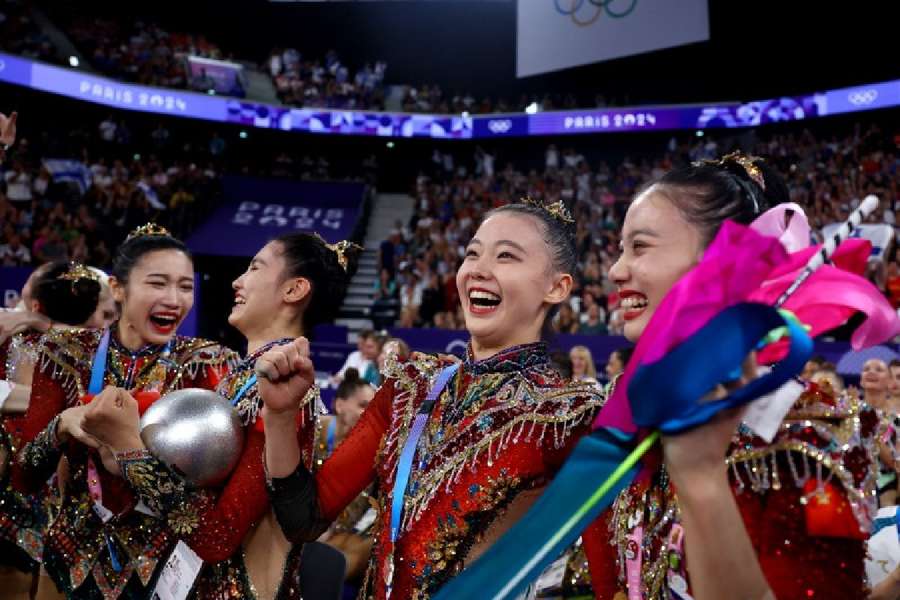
<point>109,536</point>
<point>66,294</point>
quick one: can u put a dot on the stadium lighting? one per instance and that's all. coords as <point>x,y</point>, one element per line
<point>73,62</point>
<point>243,134</point>
<point>390,144</point>
<point>699,133</point>
<point>532,108</point>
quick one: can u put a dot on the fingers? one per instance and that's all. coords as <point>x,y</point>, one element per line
<point>79,434</point>
<point>749,368</point>
<point>284,361</point>
<point>124,399</point>
<point>301,344</point>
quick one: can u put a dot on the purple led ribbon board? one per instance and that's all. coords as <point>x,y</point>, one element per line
<point>85,86</point>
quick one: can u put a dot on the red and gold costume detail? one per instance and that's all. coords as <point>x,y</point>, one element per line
<point>807,500</point>
<point>501,427</point>
<point>242,502</point>
<point>23,517</point>
<point>83,553</point>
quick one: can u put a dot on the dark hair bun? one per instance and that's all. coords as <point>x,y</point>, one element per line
<point>67,301</point>
<point>710,192</point>
<point>352,382</point>
<point>308,256</point>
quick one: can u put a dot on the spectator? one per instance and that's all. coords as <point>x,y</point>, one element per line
<point>7,132</point>
<point>410,300</point>
<point>387,251</point>
<point>385,287</point>
<point>593,325</point>
<point>18,183</point>
<point>876,382</point>
<point>13,253</point>
<point>566,321</point>
<point>617,362</point>
<point>812,365</point>
<point>107,129</point>
<point>357,359</point>
<point>583,368</point>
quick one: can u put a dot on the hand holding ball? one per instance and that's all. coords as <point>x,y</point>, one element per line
<point>195,431</point>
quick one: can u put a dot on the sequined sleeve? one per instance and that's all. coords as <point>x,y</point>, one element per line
<point>161,489</point>
<point>39,455</point>
<point>39,458</point>
<point>306,504</point>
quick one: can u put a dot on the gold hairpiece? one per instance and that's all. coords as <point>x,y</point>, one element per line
<point>340,249</point>
<point>77,272</point>
<point>148,230</point>
<point>746,163</point>
<point>557,210</point>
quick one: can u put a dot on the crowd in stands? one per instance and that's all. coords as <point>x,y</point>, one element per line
<point>325,83</point>
<point>142,52</point>
<point>430,98</point>
<point>826,175</point>
<point>19,34</point>
<point>79,209</point>
<point>75,197</point>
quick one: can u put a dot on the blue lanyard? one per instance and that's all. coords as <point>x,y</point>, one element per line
<point>404,467</point>
<point>251,381</point>
<point>329,436</point>
<point>98,368</point>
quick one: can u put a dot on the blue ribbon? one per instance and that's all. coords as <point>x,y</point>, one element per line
<point>665,395</point>
<point>404,466</point>
<point>98,367</point>
<point>329,435</point>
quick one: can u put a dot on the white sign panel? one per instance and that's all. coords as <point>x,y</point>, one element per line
<point>558,34</point>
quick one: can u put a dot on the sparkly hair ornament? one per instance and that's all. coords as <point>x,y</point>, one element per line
<point>557,210</point>
<point>340,250</point>
<point>747,163</point>
<point>148,230</point>
<point>78,272</point>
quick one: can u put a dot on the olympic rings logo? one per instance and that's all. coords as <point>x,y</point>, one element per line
<point>863,97</point>
<point>499,125</point>
<point>456,347</point>
<point>616,9</point>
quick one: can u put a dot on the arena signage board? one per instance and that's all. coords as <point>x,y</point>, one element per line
<point>80,85</point>
<point>255,210</point>
<point>558,34</point>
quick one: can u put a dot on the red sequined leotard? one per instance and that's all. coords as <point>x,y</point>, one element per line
<point>807,500</point>
<point>82,554</point>
<point>498,432</point>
